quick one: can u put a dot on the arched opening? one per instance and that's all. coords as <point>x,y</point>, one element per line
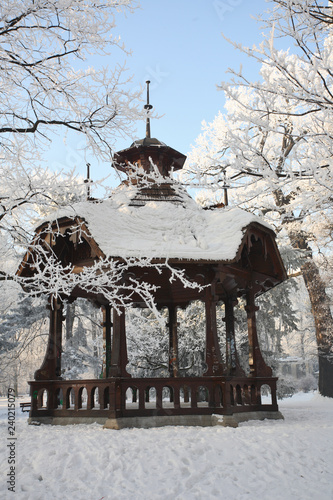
<point>202,396</point>
<point>150,399</point>
<point>132,400</point>
<point>43,398</point>
<point>95,398</point>
<point>167,397</point>
<point>59,399</point>
<point>70,398</point>
<point>238,395</point>
<point>82,398</point>
<point>266,394</point>
<point>185,397</point>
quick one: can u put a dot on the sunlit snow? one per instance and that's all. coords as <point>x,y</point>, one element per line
<point>289,459</point>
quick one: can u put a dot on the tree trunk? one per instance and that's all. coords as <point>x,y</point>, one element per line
<point>324,325</point>
<point>321,311</point>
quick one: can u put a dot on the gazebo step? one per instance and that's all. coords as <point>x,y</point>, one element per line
<point>160,421</point>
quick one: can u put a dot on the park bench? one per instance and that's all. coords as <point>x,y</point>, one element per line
<point>25,406</point>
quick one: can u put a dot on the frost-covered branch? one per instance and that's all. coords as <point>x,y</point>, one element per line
<point>113,279</point>
<point>42,85</point>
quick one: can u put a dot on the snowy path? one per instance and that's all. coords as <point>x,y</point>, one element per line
<point>273,460</point>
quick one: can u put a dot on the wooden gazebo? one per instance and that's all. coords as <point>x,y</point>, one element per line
<point>229,252</point>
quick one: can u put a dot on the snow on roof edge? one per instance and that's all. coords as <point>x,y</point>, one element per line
<point>161,229</point>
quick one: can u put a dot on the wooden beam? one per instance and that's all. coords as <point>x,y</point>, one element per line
<point>119,358</point>
<point>173,342</point>
<point>258,367</point>
<point>213,354</point>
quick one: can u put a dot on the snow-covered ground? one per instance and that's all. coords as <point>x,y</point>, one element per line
<point>269,460</point>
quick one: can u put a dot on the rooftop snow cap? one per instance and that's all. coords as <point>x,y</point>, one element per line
<point>149,150</point>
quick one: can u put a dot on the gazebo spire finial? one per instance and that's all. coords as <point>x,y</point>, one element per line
<point>148,107</point>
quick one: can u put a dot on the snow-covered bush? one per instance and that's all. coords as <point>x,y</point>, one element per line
<point>286,386</point>
<point>307,383</point>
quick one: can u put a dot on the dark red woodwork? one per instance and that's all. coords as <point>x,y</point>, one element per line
<point>213,354</point>
<point>258,367</point>
<point>205,396</point>
<point>173,342</point>
<point>119,359</point>
<point>149,149</point>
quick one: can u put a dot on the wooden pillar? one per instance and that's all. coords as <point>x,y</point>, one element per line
<point>119,357</point>
<point>232,362</point>
<point>51,366</point>
<point>107,324</point>
<point>258,367</point>
<point>173,342</point>
<point>213,353</point>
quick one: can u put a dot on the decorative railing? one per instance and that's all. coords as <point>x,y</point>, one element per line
<point>129,397</point>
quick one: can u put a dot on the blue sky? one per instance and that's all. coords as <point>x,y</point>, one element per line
<point>178,46</point>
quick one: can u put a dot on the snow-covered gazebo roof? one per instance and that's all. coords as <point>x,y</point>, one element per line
<point>160,229</point>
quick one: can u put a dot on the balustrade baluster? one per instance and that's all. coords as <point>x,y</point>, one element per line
<point>176,397</point>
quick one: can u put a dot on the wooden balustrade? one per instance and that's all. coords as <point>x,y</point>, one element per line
<point>128,397</point>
